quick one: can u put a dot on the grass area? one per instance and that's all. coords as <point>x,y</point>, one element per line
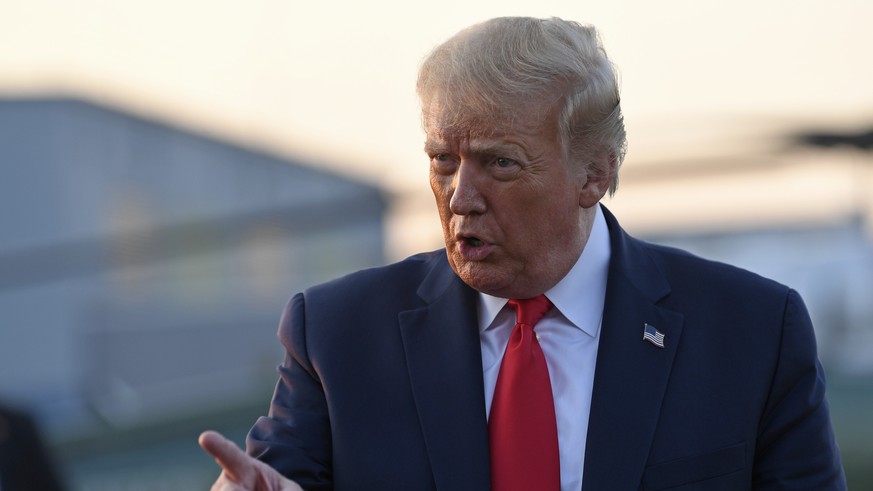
<point>163,455</point>
<point>851,400</point>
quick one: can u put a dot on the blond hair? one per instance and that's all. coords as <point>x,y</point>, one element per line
<point>489,69</point>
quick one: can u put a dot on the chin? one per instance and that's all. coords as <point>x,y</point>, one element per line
<point>473,275</point>
<point>488,284</point>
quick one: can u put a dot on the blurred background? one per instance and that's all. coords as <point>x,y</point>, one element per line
<point>173,171</point>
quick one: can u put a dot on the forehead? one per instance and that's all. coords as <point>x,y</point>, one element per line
<point>445,121</point>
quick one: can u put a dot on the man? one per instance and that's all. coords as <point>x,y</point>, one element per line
<point>663,370</point>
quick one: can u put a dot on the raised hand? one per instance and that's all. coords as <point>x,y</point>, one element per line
<point>241,472</point>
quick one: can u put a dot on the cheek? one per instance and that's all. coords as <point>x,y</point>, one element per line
<point>533,219</point>
<point>442,192</point>
<point>442,196</point>
<point>437,184</point>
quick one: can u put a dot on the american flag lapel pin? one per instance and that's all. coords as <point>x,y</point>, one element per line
<point>653,336</point>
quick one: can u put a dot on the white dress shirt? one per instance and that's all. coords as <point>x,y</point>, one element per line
<point>569,335</point>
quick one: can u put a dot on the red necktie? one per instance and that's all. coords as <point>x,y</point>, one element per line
<point>522,431</point>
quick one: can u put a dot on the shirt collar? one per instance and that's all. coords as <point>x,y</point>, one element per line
<point>580,295</point>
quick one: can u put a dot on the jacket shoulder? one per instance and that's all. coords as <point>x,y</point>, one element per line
<point>661,269</point>
<point>705,290</point>
<point>393,281</point>
<point>684,267</point>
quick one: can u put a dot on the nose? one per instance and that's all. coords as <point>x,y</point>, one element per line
<point>467,197</point>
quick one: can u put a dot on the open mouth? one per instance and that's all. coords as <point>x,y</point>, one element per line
<point>472,248</point>
<point>474,241</point>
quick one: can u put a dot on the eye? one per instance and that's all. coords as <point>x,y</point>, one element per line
<point>503,162</point>
<point>443,163</point>
<point>504,168</point>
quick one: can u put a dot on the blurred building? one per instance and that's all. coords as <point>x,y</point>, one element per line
<point>143,267</point>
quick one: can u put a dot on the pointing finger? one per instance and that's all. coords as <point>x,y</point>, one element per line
<point>237,465</point>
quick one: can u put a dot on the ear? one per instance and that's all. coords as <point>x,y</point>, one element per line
<point>599,174</point>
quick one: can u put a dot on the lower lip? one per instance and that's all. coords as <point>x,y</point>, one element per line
<point>471,253</point>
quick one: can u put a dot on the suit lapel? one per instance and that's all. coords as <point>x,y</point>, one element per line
<point>631,374</point>
<point>441,343</point>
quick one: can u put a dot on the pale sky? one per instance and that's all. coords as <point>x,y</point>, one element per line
<point>334,81</point>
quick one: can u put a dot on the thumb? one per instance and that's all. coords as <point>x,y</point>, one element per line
<point>238,466</point>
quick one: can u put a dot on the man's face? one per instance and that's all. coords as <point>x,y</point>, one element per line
<point>515,213</point>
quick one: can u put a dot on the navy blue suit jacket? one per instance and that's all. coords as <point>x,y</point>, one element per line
<point>382,383</point>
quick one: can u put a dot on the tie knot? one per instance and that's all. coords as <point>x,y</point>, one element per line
<point>530,310</point>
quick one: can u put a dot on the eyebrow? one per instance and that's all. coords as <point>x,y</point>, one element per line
<point>495,148</point>
<point>434,146</point>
